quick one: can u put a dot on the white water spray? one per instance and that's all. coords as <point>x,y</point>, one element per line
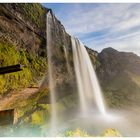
<point>66,54</point>
<point>88,85</point>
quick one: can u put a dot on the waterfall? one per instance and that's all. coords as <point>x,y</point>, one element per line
<point>66,54</point>
<point>88,85</point>
<point>50,72</point>
<point>61,76</point>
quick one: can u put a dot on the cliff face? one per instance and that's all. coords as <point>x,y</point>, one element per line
<point>23,40</point>
<point>60,59</point>
<point>24,26</point>
<point>23,30</point>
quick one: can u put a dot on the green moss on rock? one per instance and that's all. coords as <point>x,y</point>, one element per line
<point>38,117</point>
<point>10,56</point>
<point>35,12</point>
<point>30,75</point>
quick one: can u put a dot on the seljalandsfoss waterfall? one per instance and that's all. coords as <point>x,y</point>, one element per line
<point>79,82</point>
<point>89,91</point>
<point>71,72</point>
<point>50,69</point>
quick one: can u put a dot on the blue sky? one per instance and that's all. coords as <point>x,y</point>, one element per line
<point>101,25</point>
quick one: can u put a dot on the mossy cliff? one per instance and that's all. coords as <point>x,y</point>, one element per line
<point>24,25</point>
<point>23,40</point>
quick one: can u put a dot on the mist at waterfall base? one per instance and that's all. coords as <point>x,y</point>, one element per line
<point>91,114</point>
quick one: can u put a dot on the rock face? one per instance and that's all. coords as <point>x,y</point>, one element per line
<point>60,59</point>
<point>24,25</point>
<point>119,74</point>
<point>23,31</point>
<point>22,40</point>
<point>93,56</point>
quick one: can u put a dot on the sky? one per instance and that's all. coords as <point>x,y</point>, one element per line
<point>101,25</point>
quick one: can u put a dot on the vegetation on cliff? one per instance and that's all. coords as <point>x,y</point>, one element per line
<point>34,68</point>
<point>35,12</point>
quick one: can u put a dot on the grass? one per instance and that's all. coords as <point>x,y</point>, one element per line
<point>10,56</point>
<point>135,78</point>
<point>35,68</point>
<point>31,112</point>
<point>122,90</point>
<point>76,133</point>
<point>110,132</point>
<point>39,117</point>
<point>35,12</point>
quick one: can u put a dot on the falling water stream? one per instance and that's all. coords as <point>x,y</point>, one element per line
<point>88,85</point>
<point>66,54</point>
<point>50,71</point>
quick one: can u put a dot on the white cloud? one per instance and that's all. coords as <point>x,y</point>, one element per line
<point>122,22</point>
<point>128,43</point>
<point>97,18</point>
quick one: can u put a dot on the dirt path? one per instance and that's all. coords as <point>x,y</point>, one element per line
<point>15,97</point>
